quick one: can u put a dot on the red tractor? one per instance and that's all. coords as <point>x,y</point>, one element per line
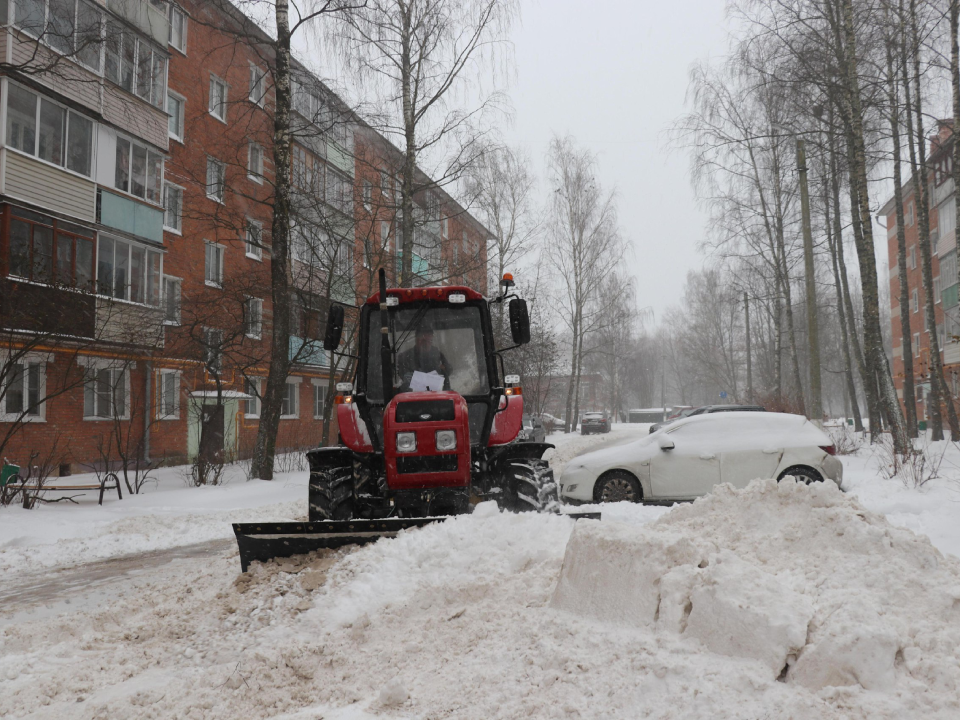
<point>426,429</point>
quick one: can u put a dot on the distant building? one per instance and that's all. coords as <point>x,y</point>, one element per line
<point>944,266</point>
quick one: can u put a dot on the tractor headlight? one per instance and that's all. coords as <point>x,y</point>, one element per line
<point>446,440</point>
<point>406,442</point>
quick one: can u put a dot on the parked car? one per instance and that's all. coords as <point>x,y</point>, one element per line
<point>688,458</point>
<point>704,409</point>
<point>593,422</point>
<point>532,430</point>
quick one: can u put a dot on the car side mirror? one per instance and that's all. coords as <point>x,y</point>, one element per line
<point>666,443</point>
<point>519,321</point>
<point>331,339</point>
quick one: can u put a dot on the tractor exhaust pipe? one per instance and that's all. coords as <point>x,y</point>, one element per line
<point>386,354</point>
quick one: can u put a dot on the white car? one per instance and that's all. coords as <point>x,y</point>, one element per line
<point>689,457</point>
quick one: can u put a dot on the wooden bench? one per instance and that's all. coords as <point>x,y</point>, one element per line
<point>110,481</point>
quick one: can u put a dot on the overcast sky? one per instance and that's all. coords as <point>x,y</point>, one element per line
<point>613,74</point>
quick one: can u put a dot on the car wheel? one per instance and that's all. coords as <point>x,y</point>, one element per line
<point>617,486</point>
<point>804,474</point>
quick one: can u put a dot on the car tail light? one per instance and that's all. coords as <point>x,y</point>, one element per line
<point>829,449</point>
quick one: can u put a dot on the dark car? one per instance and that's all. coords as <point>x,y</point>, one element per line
<point>594,422</point>
<point>709,409</point>
<point>533,430</point>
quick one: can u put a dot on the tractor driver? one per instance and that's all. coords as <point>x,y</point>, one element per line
<point>423,357</point>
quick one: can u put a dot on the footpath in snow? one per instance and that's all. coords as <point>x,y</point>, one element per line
<point>779,600</point>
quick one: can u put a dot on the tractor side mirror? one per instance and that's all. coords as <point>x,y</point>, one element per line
<point>519,321</point>
<point>331,339</point>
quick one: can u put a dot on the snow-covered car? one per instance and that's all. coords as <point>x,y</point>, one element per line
<point>689,457</point>
<point>704,410</point>
<point>594,422</point>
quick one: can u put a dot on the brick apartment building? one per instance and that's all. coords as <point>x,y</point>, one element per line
<point>135,214</point>
<point>944,266</point>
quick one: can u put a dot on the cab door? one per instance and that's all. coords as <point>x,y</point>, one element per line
<point>691,468</point>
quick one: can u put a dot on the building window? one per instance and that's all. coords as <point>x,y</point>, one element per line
<point>307,170</point>
<point>339,189</point>
<point>936,289</point>
<point>258,85</point>
<point>127,271</point>
<point>43,129</point>
<point>252,406</point>
<point>254,239</point>
<point>213,272</point>
<point>216,177</point>
<point>24,391</point>
<point>178,28</point>
<point>172,208</point>
<point>253,318</point>
<point>139,171</point>
<point>218,98</point>
<point>171,300</point>
<point>213,349</point>
<point>319,401</point>
<point>916,344</point>
<point>168,395</point>
<point>915,300</point>
<point>50,251</point>
<point>255,162</point>
<point>367,195</point>
<point>105,394</point>
<point>306,101</point>
<point>290,406</point>
<point>134,65</point>
<point>175,108</point>
<point>908,215</point>
<point>69,27</point>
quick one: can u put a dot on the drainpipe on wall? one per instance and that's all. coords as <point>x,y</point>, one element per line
<point>147,382</point>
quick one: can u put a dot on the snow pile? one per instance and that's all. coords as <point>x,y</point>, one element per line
<point>799,578</point>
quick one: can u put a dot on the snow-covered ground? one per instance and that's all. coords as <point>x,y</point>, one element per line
<point>690,612</point>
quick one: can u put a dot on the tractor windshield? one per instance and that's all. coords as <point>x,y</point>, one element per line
<point>435,348</point>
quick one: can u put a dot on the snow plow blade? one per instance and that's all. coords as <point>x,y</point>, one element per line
<point>265,541</point>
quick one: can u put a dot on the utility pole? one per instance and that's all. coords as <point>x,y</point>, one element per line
<point>746,309</point>
<point>813,334</point>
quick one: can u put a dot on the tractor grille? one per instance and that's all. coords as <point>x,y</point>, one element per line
<point>426,463</point>
<point>425,411</point>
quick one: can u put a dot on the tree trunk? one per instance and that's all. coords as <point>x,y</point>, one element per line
<point>873,342</point>
<point>835,240</point>
<point>813,332</point>
<point>955,83</point>
<point>409,155</point>
<point>906,342</point>
<point>265,446</point>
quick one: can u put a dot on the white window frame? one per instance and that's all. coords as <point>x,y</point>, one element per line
<point>181,115</point>
<point>319,387</point>
<point>148,252</point>
<point>256,400</point>
<point>915,300</point>
<point>27,360</point>
<point>221,252</point>
<point>159,403</point>
<point>171,12</point>
<point>251,330</point>
<point>213,162</point>
<point>937,292</point>
<point>258,85</point>
<point>146,184</point>
<point>254,251</point>
<point>367,195</point>
<point>254,173</point>
<point>178,230</point>
<point>163,302</point>
<point>209,348</point>
<point>93,369</point>
<point>215,79</point>
<point>293,380</point>
<point>35,155</point>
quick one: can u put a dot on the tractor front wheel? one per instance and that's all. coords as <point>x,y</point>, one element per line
<point>531,486</point>
<point>331,494</point>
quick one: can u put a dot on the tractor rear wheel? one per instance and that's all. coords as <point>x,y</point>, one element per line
<point>531,486</point>
<point>331,494</point>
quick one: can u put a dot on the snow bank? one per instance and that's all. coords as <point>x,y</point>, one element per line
<point>800,578</point>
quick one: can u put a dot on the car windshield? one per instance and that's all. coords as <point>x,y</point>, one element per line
<point>594,416</point>
<point>436,348</point>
